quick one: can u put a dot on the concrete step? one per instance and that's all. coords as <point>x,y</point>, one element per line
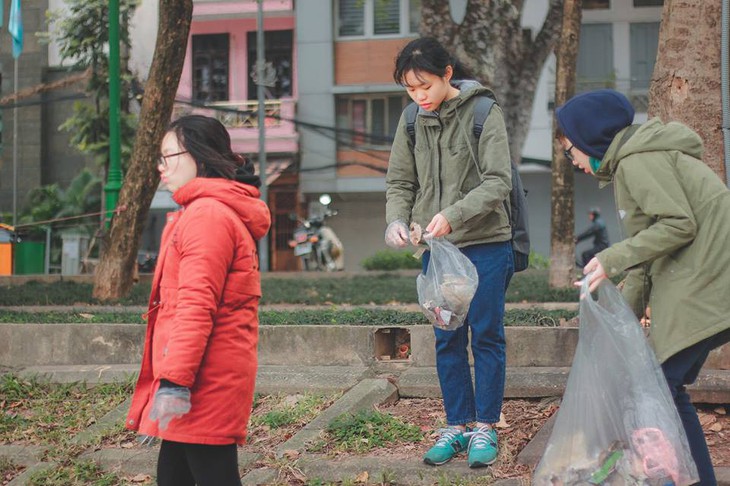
<point>712,386</point>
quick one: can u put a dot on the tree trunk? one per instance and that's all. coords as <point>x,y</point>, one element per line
<point>686,83</point>
<point>562,247</point>
<point>491,42</point>
<point>114,275</point>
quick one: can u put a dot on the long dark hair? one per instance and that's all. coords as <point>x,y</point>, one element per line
<point>426,54</point>
<point>209,144</point>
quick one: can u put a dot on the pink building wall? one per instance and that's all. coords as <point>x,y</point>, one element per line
<point>238,19</point>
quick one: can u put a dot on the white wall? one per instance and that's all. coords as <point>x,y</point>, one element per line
<point>143,33</point>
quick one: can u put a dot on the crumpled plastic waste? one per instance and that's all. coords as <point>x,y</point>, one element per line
<point>446,289</point>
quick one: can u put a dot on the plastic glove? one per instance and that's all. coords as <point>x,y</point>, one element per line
<point>170,403</point>
<point>396,234</point>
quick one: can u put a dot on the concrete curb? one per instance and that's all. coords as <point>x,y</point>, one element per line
<point>712,386</point>
<point>24,345</point>
<point>24,478</point>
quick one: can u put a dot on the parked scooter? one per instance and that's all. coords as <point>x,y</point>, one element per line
<point>317,244</point>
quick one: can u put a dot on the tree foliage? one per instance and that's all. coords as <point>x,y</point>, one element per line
<point>82,35</point>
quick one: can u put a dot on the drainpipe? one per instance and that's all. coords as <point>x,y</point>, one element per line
<point>725,86</point>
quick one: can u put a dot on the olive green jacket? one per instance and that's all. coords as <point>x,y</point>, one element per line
<point>676,212</point>
<point>448,173</point>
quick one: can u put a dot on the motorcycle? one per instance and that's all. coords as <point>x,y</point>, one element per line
<point>315,243</point>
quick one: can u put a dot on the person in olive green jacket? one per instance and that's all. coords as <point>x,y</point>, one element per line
<point>455,187</point>
<point>676,212</point>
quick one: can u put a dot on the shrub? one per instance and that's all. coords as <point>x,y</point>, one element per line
<point>538,261</point>
<point>391,260</point>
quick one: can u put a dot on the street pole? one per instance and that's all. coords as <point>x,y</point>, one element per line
<point>264,250</point>
<point>15,146</point>
<point>114,175</point>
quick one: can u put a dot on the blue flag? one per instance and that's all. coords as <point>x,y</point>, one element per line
<point>15,28</point>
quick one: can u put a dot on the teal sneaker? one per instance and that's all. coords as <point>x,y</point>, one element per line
<point>482,446</point>
<point>451,442</point>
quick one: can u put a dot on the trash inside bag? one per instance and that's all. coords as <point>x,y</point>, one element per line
<point>446,289</point>
<point>617,423</point>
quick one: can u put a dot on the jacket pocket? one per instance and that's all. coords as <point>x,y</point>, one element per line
<point>241,286</point>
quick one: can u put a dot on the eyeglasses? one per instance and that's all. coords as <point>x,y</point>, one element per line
<point>568,154</point>
<point>162,161</point>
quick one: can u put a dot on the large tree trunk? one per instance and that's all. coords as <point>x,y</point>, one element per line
<point>686,82</point>
<point>491,42</point>
<point>562,247</point>
<point>114,275</point>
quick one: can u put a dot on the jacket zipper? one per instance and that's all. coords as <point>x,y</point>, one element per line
<point>155,305</point>
<point>623,237</point>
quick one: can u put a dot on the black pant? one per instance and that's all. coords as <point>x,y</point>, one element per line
<point>589,254</point>
<point>190,464</point>
<point>680,370</point>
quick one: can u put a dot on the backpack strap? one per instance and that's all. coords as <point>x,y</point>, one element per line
<point>411,111</point>
<point>482,108</point>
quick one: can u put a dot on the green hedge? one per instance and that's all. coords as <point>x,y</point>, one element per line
<point>383,288</point>
<point>392,260</point>
<point>359,316</point>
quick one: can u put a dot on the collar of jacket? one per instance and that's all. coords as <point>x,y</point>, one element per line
<point>468,88</point>
<point>610,161</point>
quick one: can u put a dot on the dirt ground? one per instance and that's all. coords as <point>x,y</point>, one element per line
<point>524,418</point>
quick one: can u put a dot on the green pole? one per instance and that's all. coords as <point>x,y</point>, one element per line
<point>114,177</point>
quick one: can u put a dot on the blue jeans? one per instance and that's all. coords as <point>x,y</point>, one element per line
<point>494,264</point>
<point>681,369</point>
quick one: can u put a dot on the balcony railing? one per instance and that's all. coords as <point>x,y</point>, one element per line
<point>242,121</point>
<point>242,114</point>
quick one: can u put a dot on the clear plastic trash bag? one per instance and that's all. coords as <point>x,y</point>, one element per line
<point>446,289</point>
<point>617,423</point>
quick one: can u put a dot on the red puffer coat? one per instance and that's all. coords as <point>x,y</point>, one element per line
<point>202,331</point>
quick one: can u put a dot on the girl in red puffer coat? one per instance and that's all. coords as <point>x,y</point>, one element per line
<point>196,384</point>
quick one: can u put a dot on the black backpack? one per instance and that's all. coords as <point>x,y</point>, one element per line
<point>517,207</point>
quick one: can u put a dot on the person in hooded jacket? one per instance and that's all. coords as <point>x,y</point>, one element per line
<point>196,383</point>
<point>455,187</point>
<point>676,213</point>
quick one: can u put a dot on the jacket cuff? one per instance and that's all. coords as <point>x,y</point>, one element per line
<point>611,261</point>
<point>168,384</point>
<point>453,216</point>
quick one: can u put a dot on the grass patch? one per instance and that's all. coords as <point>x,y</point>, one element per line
<point>359,316</point>
<point>35,413</point>
<point>384,288</point>
<point>370,429</point>
<point>275,418</point>
<point>8,470</point>
<point>79,473</point>
<point>64,293</point>
<point>22,317</point>
<point>275,411</point>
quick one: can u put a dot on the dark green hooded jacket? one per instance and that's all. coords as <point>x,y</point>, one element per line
<point>448,173</point>
<point>676,213</point>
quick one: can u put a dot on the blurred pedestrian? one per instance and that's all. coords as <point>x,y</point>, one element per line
<point>597,230</point>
